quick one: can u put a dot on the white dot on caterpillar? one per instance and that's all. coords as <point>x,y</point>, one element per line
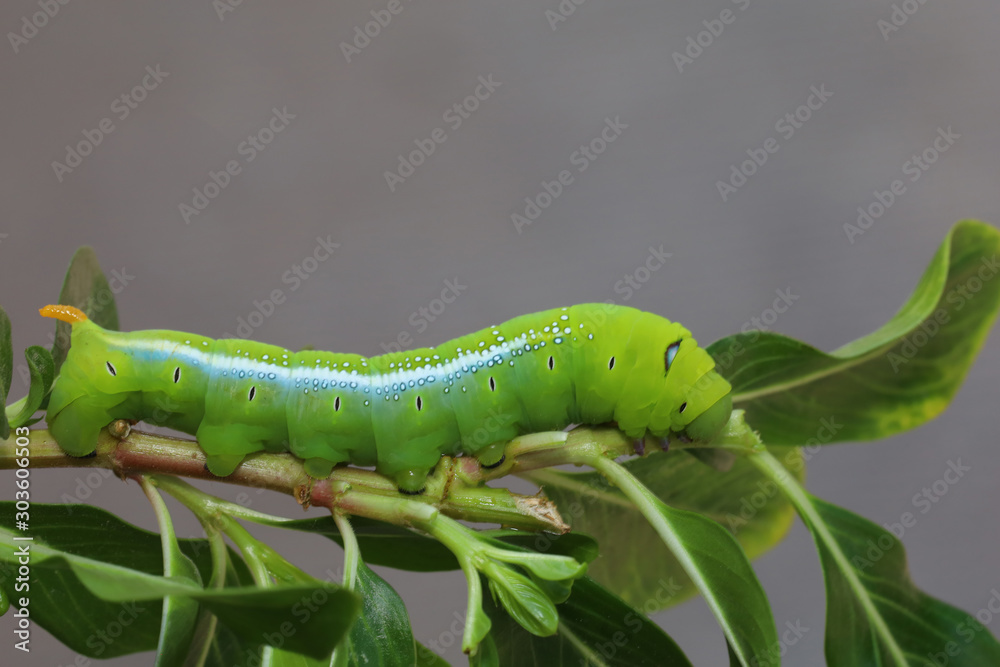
<point>564,317</point>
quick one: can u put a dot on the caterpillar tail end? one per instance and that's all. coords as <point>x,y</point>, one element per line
<point>62,313</point>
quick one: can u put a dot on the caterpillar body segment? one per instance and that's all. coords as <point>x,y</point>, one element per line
<point>591,364</point>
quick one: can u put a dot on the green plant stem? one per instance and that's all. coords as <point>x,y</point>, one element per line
<point>771,467</point>
<point>352,557</point>
<point>204,633</point>
<point>352,554</point>
<point>646,502</point>
<point>355,491</point>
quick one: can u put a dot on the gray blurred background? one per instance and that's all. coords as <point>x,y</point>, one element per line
<point>346,115</point>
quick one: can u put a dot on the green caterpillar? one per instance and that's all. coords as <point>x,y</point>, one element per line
<point>587,364</point>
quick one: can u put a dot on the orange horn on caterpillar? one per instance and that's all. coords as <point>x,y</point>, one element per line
<point>64,313</point>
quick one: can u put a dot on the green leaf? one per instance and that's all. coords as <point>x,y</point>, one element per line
<point>878,616</point>
<point>523,599</point>
<point>428,658</point>
<point>875,614</point>
<point>634,561</point>
<point>6,370</point>
<point>92,560</point>
<point>58,596</point>
<point>486,655</point>
<point>42,372</point>
<point>227,650</point>
<point>381,637</point>
<point>269,615</point>
<point>889,381</point>
<point>714,561</point>
<point>596,629</point>
<point>86,288</point>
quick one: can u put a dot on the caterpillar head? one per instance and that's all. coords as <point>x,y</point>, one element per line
<point>695,401</point>
<point>83,401</point>
<point>106,376</point>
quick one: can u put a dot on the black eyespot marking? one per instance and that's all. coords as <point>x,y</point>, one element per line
<point>668,357</point>
<point>420,403</point>
<point>611,364</point>
<point>253,392</point>
<point>336,404</point>
<point>177,374</point>
<point>111,368</point>
<point>683,406</point>
<point>552,363</point>
<point>493,384</point>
